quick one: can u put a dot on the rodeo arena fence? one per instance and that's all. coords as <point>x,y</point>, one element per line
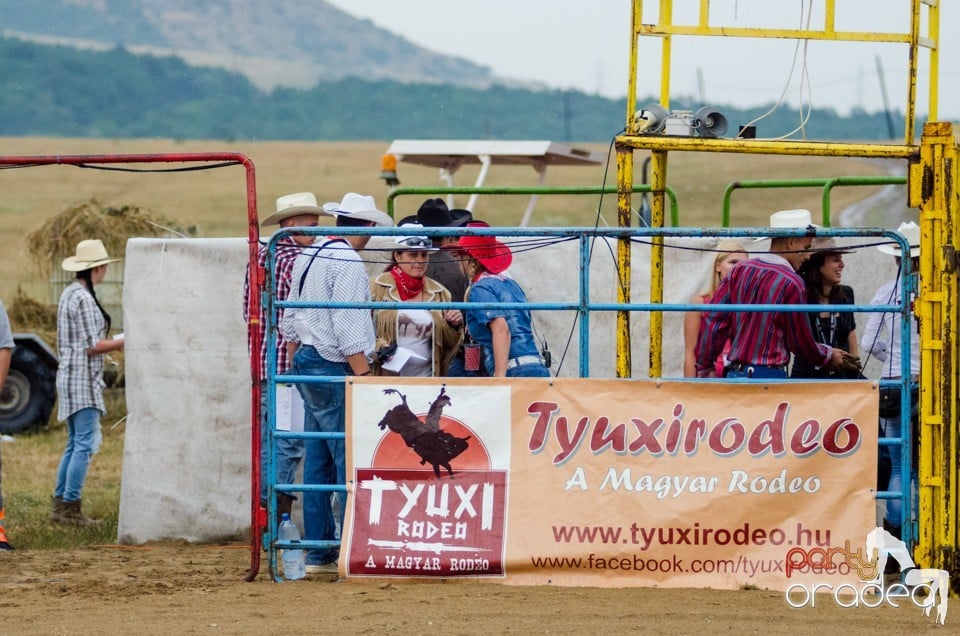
<point>587,478</point>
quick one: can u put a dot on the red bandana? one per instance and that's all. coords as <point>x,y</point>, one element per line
<point>407,286</point>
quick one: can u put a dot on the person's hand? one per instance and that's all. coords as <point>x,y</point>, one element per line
<point>386,352</point>
<point>843,361</point>
<point>851,363</point>
<point>453,316</point>
<point>836,358</point>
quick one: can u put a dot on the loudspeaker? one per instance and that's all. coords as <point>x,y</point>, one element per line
<point>710,123</point>
<point>650,119</point>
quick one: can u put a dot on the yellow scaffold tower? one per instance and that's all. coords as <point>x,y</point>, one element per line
<point>933,179</point>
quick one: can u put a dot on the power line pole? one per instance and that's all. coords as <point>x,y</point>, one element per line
<point>886,100</point>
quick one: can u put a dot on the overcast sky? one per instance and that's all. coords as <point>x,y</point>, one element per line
<point>584,45</point>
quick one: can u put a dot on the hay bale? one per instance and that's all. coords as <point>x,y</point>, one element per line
<point>57,238</point>
<point>27,314</point>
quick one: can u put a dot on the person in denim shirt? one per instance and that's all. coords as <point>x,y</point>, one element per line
<point>505,335</point>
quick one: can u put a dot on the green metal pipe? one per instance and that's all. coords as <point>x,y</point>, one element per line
<point>826,184</point>
<point>536,190</point>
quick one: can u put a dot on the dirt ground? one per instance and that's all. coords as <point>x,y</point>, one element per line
<point>188,589</point>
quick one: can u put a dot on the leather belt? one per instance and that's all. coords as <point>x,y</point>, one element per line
<point>740,366</point>
<point>513,363</point>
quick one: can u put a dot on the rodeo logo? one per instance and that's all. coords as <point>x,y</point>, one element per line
<point>430,503</point>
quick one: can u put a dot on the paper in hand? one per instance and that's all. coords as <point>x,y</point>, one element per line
<point>399,359</point>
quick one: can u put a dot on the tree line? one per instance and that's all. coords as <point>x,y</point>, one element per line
<point>62,92</point>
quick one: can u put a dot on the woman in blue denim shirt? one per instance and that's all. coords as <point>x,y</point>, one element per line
<point>505,335</point>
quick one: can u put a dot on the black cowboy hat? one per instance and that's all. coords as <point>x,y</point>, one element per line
<point>435,213</point>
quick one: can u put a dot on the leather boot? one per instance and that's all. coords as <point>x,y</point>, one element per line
<point>71,514</point>
<point>284,504</point>
<point>56,509</point>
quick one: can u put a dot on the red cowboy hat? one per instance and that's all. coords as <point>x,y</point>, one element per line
<point>488,251</point>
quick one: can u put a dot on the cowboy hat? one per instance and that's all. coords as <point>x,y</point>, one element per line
<point>790,219</point>
<point>411,243</point>
<point>435,213</point>
<point>293,205</point>
<point>488,251</point>
<point>911,232</point>
<point>785,219</point>
<point>360,207</point>
<point>90,253</point>
<point>827,245</point>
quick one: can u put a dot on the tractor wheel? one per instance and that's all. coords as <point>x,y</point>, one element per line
<point>29,393</point>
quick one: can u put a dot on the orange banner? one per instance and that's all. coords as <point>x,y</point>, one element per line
<point>607,482</point>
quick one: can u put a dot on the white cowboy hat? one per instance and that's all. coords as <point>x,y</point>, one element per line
<point>293,205</point>
<point>791,218</point>
<point>358,206</point>
<point>911,232</point>
<point>411,243</point>
<point>90,253</point>
<point>784,219</point>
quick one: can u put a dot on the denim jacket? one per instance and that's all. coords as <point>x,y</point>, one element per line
<point>491,289</point>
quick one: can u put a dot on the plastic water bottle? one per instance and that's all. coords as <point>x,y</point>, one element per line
<point>294,561</point>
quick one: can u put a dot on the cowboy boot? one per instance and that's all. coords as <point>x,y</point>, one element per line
<point>71,514</point>
<point>56,509</point>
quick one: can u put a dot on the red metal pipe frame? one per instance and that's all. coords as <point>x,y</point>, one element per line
<point>257,513</point>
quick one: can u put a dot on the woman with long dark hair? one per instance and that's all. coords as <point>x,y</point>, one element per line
<point>83,326</point>
<point>822,273</point>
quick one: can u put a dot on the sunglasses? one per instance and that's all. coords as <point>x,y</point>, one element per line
<point>415,241</point>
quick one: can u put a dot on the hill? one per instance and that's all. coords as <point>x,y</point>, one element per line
<point>293,44</point>
<point>54,90</point>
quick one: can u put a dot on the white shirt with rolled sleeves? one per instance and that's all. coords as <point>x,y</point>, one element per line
<point>881,337</point>
<point>336,274</point>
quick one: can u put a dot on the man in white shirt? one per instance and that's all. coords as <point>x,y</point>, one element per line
<point>335,342</point>
<point>882,340</point>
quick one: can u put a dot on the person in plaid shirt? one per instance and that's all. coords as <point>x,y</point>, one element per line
<point>82,340</point>
<point>293,210</point>
<point>335,342</point>
<point>761,342</point>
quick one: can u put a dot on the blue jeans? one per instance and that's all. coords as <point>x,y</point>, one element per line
<point>756,372</point>
<point>529,371</point>
<point>890,427</point>
<point>83,440</point>
<point>325,459</point>
<point>289,451</point>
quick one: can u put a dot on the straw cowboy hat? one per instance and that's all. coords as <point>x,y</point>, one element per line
<point>90,253</point>
<point>488,251</point>
<point>911,232</point>
<point>358,206</point>
<point>293,205</point>
<point>411,243</point>
<point>827,245</point>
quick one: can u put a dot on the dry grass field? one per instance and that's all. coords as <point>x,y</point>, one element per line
<point>72,581</point>
<point>214,201</point>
